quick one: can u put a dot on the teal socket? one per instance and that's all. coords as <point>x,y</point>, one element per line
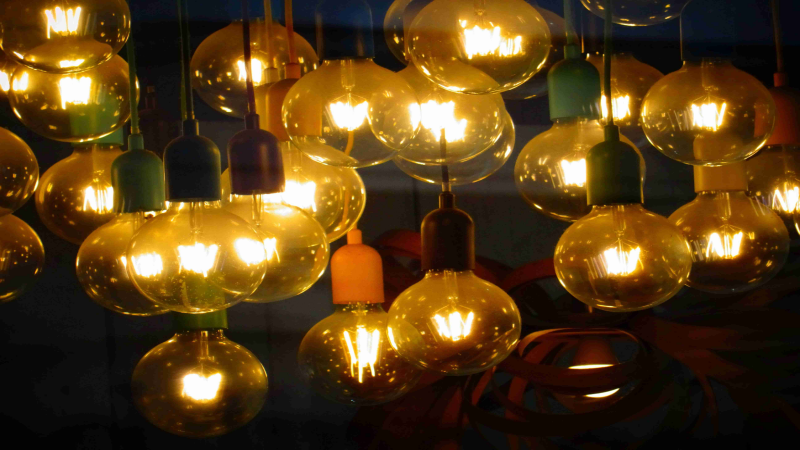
<point>573,87</point>
<point>138,180</point>
<point>207,321</point>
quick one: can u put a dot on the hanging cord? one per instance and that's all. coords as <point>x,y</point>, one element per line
<point>132,81</point>
<point>445,170</point>
<point>188,101</point>
<point>290,32</point>
<point>607,63</point>
<point>248,60</point>
<point>569,23</point>
<point>776,29</point>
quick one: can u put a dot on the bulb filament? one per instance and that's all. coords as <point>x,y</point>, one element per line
<point>250,251</point>
<point>147,265</point>
<point>574,172</point>
<point>74,90</point>
<point>708,115</point>
<point>100,200</point>
<point>479,41</point>
<point>454,326</point>
<point>364,354</point>
<point>62,22</point>
<point>200,388</point>
<point>725,246</point>
<point>257,69</point>
<point>348,116</point>
<point>621,262</point>
<point>437,117</point>
<point>197,258</point>
<point>620,106</point>
<point>786,201</point>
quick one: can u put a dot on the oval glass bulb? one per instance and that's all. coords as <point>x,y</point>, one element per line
<point>334,196</point>
<point>347,357</point>
<point>550,171</point>
<point>637,13</point>
<point>630,81</point>
<point>708,113</point>
<point>75,195</point>
<point>622,258</point>
<point>479,47</point>
<point>102,268</point>
<point>737,243</point>
<point>199,384</point>
<point>19,172</point>
<point>351,113</point>
<point>297,251</point>
<point>73,107</point>
<point>62,36</point>
<point>21,257</point>
<point>196,258</point>
<point>217,66</point>
<point>469,123</point>
<point>470,171</point>
<point>772,178</point>
<point>454,323</point>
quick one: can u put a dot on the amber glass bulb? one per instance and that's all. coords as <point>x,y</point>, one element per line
<point>622,258</point>
<point>75,195</point>
<point>21,257</point>
<point>772,178</point>
<point>61,36</point>
<point>347,357</point>
<point>630,81</point>
<point>19,172</point>
<point>102,268</point>
<point>737,243</point>
<point>199,384</point>
<point>454,323</point>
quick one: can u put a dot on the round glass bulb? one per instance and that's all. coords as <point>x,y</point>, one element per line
<point>196,258</point>
<point>550,172</point>
<point>102,268</point>
<point>469,123</point>
<point>19,172</point>
<point>454,323</point>
<point>772,178</point>
<point>199,384</point>
<point>75,195</point>
<point>21,257</point>
<point>73,107</point>
<point>479,47</point>
<point>351,113</point>
<point>708,113</point>
<point>622,258</point>
<point>347,357</point>
<point>297,251</point>
<point>637,13</point>
<point>334,196</point>
<point>630,81</point>
<point>737,243</point>
<point>62,36</point>
<point>217,66</point>
<point>470,171</point>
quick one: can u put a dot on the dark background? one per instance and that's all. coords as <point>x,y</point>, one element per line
<point>65,363</point>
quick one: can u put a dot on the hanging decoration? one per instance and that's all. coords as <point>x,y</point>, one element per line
<point>629,84</point>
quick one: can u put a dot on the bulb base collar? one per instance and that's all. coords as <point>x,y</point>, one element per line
<point>255,162</point>
<point>448,237</point>
<point>613,172</point>
<point>206,321</point>
<point>192,167</point>
<point>356,272</point>
<point>573,88</point>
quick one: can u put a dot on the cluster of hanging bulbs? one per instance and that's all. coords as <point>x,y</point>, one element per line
<point>260,231</point>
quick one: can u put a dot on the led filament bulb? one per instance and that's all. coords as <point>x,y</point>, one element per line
<point>772,178</point>
<point>19,172</point>
<point>347,357</point>
<point>637,13</point>
<point>72,107</point>
<point>708,113</point>
<point>21,257</point>
<point>199,384</point>
<point>737,243</point>
<point>60,36</point>
<point>630,81</point>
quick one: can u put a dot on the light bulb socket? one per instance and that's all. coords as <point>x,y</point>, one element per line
<point>192,167</point>
<point>613,172</point>
<point>137,177</point>
<point>208,321</point>
<point>272,109</point>
<point>573,89</point>
<point>356,272</point>
<point>448,237</point>
<point>730,177</point>
<point>114,139</point>
<point>344,30</point>
<point>255,163</point>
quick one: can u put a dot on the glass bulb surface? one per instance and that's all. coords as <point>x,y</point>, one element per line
<point>196,258</point>
<point>454,323</point>
<point>75,195</point>
<point>334,196</point>
<point>102,268</point>
<point>63,36</point>
<point>630,81</point>
<point>217,66</point>
<point>708,113</point>
<point>297,251</point>
<point>470,124</point>
<point>772,178</point>
<point>19,172</point>
<point>470,171</point>
<point>622,258</point>
<point>7,68</point>
<point>21,257</point>
<point>199,384</point>
<point>550,171</point>
<point>72,107</point>
<point>479,47</point>
<point>347,357</point>
<point>637,13</point>
<point>351,113</point>
<point>737,243</point>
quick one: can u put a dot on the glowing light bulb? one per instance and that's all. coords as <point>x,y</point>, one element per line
<point>550,171</point>
<point>478,47</point>
<point>72,108</point>
<point>638,13</point>
<point>20,172</point>
<point>772,178</point>
<point>217,66</point>
<point>21,257</point>
<point>630,81</point>
<point>199,384</point>
<point>622,258</point>
<point>191,258</point>
<point>708,113</point>
<point>351,113</point>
